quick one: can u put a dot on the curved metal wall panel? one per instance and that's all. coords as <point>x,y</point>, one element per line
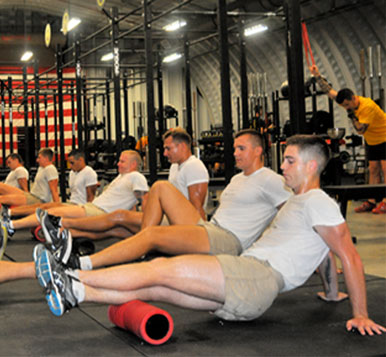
<point>335,40</point>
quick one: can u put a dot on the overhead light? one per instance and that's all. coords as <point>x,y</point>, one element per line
<point>74,21</point>
<point>174,25</point>
<point>107,57</point>
<point>172,57</point>
<point>249,31</point>
<point>26,56</point>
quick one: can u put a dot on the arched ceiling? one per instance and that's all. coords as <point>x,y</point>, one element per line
<point>338,30</point>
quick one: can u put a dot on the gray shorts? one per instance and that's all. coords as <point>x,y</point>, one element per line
<point>251,286</point>
<point>221,241</point>
<point>92,210</point>
<point>32,199</point>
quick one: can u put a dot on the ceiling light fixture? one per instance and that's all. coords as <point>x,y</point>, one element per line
<point>172,57</point>
<point>107,57</point>
<point>249,31</point>
<point>27,55</point>
<point>175,25</point>
<point>74,21</point>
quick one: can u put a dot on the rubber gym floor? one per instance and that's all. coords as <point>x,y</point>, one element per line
<point>298,324</point>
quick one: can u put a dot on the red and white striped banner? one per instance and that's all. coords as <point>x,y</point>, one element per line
<point>16,113</point>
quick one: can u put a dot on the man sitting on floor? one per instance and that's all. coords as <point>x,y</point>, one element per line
<point>123,192</point>
<point>17,177</point>
<point>83,181</point>
<point>44,188</point>
<point>187,173</point>
<point>235,288</point>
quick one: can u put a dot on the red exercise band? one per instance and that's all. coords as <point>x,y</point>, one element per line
<point>152,324</point>
<point>307,45</point>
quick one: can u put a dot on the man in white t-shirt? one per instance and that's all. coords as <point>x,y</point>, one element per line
<point>235,288</point>
<point>44,188</point>
<point>247,206</point>
<point>123,192</point>
<point>187,173</point>
<point>17,177</point>
<point>83,181</point>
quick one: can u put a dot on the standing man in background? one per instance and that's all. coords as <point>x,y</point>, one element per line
<point>368,120</point>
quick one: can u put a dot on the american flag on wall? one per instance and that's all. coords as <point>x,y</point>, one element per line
<point>15,113</point>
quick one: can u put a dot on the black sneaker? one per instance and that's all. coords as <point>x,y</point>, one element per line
<point>60,296</point>
<point>50,226</point>
<point>4,213</point>
<point>3,240</point>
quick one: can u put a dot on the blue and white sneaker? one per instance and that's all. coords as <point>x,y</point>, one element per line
<point>57,282</point>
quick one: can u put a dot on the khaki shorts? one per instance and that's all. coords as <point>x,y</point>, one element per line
<point>221,241</point>
<point>31,199</point>
<point>92,210</point>
<point>251,286</point>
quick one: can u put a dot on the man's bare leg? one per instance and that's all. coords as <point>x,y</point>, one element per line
<point>118,232</point>
<point>174,240</point>
<point>26,210</point>
<point>131,220</point>
<point>9,190</point>
<point>64,211</point>
<point>194,278</point>
<point>13,200</point>
<point>14,271</point>
<point>165,198</point>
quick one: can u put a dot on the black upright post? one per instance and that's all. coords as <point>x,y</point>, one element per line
<point>73,131</point>
<point>108,113</point>
<point>104,115</point>
<point>3,146</point>
<point>59,72</point>
<point>86,113</point>
<point>188,90</point>
<point>150,93</point>
<point>126,105</point>
<point>117,82</point>
<point>46,118</point>
<point>161,119</point>
<point>295,66</point>
<point>243,77</point>
<point>10,110</point>
<point>95,117</point>
<point>78,84</point>
<point>37,104</point>
<point>56,128</point>
<point>25,105</point>
<point>225,90</point>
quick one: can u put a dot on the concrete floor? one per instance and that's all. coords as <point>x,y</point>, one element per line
<point>370,231</point>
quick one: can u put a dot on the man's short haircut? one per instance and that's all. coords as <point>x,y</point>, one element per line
<point>311,147</point>
<point>134,155</point>
<point>178,135</point>
<point>15,156</point>
<point>255,136</point>
<point>76,154</point>
<point>47,152</point>
<point>344,94</point>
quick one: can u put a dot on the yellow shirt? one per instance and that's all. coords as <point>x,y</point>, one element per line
<point>370,113</point>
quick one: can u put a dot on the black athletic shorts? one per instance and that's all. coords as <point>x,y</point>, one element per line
<point>376,152</point>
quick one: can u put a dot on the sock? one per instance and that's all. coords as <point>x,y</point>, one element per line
<point>79,291</point>
<point>85,263</point>
<point>11,225</point>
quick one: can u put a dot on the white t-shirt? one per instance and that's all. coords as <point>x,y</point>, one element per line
<point>290,244</point>
<point>79,181</point>
<point>191,172</point>
<point>40,187</point>
<point>248,204</point>
<point>13,177</point>
<point>120,193</point>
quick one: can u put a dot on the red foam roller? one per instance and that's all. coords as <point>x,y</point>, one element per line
<point>152,324</point>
